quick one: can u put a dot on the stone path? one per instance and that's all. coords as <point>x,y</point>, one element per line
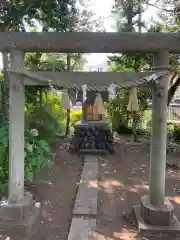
<point>85,208</point>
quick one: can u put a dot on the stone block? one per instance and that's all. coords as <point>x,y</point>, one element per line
<point>86,199</point>
<point>19,217</point>
<point>160,216</point>
<point>82,229</point>
<point>156,232</point>
<point>16,211</point>
<point>90,170</point>
<point>90,158</point>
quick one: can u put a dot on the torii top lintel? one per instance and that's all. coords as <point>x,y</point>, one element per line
<point>88,42</point>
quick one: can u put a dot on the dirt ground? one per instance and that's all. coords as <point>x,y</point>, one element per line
<point>56,190</point>
<point>123,178</point>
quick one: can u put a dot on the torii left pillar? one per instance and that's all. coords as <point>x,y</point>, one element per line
<point>18,212</point>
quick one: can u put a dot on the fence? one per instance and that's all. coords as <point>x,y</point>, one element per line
<point>173,113</point>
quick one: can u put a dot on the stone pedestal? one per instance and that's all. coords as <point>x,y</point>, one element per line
<point>19,217</point>
<point>156,222</point>
<point>92,137</point>
<point>160,216</point>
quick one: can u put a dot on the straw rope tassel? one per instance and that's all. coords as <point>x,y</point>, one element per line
<point>133,105</point>
<point>99,104</point>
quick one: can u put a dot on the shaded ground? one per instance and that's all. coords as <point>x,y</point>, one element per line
<point>56,189</point>
<point>123,178</point>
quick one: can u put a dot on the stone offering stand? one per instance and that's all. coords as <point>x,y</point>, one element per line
<point>92,137</point>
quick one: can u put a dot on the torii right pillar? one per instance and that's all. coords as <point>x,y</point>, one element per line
<point>155,214</point>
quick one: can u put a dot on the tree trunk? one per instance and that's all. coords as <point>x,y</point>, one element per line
<point>134,121</point>
<point>134,127</point>
<point>67,121</point>
<point>68,110</point>
<point>40,97</point>
<point>173,87</point>
<point>130,29</point>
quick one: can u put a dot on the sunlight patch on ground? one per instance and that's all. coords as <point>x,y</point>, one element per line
<point>175,199</point>
<point>108,186</point>
<point>111,183</point>
<point>123,235</point>
<point>143,186</point>
<point>93,184</point>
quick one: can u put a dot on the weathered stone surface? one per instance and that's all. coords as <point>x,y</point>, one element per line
<point>19,217</point>
<point>156,232</point>
<point>160,216</point>
<point>90,170</point>
<point>90,42</point>
<point>16,211</point>
<point>82,229</point>
<point>86,199</point>
<point>90,158</point>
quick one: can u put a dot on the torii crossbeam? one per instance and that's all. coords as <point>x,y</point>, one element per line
<point>88,42</point>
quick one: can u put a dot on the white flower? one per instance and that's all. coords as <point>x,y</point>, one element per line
<point>29,147</point>
<point>34,132</point>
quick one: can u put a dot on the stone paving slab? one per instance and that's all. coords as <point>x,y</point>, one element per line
<point>86,199</point>
<point>90,158</point>
<point>90,171</point>
<point>82,229</point>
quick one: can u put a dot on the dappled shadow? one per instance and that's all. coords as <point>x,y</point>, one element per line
<point>56,188</point>
<point>123,179</point>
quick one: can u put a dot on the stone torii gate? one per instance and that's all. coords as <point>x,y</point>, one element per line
<point>155,211</point>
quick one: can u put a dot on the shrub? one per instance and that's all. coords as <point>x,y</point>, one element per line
<point>119,117</point>
<point>4,163</point>
<point>44,122</point>
<point>48,119</point>
<point>37,154</point>
<point>75,116</point>
<point>176,133</point>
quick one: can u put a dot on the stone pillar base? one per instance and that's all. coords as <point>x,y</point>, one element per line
<point>160,216</point>
<point>19,217</point>
<point>156,232</point>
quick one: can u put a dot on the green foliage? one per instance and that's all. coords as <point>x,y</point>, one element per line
<point>37,155</point>
<point>119,117</point>
<point>4,163</point>
<point>176,133</point>
<point>15,13</point>
<point>75,116</point>
<point>117,110</point>
<point>48,119</point>
<point>126,13</point>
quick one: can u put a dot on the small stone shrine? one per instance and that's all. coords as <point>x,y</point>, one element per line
<point>92,135</point>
